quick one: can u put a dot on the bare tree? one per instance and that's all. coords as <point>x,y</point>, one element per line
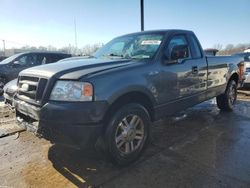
<point>232,49</point>
<point>218,46</point>
<point>85,50</point>
<point>90,49</point>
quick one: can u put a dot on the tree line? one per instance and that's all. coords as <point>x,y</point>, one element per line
<point>91,48</point>
<point>231,49</point>
<point>84,51</point>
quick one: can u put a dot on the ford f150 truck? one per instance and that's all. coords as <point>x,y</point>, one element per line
<point>113,96</point>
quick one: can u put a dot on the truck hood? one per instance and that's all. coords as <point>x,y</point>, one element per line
<point>74,69</point>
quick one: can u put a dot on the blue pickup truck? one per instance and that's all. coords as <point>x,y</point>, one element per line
<point>112,97</point>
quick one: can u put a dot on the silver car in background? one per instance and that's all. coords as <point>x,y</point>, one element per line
<point>10,90</point>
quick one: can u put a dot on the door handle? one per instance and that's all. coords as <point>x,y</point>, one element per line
<point>194,69</point>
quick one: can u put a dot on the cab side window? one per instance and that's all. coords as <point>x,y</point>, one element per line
<point>49,59</point>
<point>23,61</point>
<point>28,60</point>
<point>178,48</point>
<point>33,60</point>
<point>41,59</point>
<point>52,58</point>
<point>196,52</point>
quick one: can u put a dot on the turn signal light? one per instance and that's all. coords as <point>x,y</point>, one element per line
<point>87,90</point>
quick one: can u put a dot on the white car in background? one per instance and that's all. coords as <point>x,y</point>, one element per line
<point>247,50</point>
<point>246,56</point>
<point>247,74</point>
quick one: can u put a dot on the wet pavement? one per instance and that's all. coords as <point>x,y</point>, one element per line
<point>208,148</point>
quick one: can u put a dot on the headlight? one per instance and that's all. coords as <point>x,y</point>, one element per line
<point>72,91</point>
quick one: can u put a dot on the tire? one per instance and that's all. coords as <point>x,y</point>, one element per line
<point>127,134</point>
<point>226,101</point>
<point>1,87</point>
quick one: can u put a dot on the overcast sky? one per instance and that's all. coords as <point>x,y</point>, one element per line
<point>51,22</point>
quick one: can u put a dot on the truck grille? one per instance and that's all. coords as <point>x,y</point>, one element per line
<point>31,88</point>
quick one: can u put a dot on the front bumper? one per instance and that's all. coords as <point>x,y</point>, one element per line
<point>77,123</point>
<point>8,98</point>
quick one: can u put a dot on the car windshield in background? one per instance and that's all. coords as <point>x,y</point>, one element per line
<point>141,46</point>
<point>9,59</point>
<point>245,55</point>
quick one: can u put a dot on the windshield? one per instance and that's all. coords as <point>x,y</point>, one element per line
<point>141,46</point>
<point>9,59</point>
<point>245,55</point>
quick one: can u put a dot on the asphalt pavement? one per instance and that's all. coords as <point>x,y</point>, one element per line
<point>207,148</point>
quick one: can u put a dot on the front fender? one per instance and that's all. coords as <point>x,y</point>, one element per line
<point>132,89</point>
<point>233,69</point>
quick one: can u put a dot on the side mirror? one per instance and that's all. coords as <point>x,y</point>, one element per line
<point>16,64</point>
<point>177,53</point>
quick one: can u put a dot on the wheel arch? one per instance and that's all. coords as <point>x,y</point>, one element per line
<point>234,76</point>
<point>130,97</point>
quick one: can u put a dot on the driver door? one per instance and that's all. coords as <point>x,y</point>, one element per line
<point>181,82</point>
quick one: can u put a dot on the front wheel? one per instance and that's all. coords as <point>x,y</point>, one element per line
<point>127,134</point>
<point>227,100</point>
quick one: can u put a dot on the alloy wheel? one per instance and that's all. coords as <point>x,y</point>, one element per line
<point>129,134</point>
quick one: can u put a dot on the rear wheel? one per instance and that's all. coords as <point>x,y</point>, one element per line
<point>127,134</point>
<point>227,100</point>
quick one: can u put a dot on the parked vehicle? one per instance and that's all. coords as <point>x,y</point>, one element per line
<point>246,56</point>
<point>112,98</point>
<point>10,67</point>
<point>10,88</point>
<point>247,50</point>
<point>210,51</point>
<point>2,58</point>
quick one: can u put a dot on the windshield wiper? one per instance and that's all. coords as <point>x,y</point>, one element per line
<point>113,55</point>
<point>91,56</point>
